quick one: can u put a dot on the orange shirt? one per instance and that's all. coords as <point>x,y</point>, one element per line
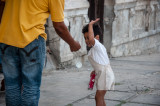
<point>23,20</point>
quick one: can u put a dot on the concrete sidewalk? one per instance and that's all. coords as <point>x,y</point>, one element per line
<point>137,84</point>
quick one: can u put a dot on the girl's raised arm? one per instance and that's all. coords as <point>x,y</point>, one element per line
<point>90,31</point>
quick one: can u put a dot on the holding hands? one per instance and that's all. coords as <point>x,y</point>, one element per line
<point>75,47</point>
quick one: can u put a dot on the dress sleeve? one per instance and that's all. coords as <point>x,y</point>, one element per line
<point>56,9</point>
<point>98,46</point>
<point>96,43</point>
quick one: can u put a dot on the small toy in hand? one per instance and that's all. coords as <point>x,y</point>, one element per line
<point>91,82</point>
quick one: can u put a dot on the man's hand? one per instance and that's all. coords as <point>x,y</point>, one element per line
<point>75,47</point>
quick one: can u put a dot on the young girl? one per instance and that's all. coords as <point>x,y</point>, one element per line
<point>98,58</point>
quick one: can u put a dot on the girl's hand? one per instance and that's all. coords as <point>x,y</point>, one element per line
<point>93,72</point>
<point>94,21</point>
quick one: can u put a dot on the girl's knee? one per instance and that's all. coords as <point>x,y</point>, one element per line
<point>100,94</point>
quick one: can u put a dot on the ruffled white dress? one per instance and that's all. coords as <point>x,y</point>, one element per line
<point>105,79</point>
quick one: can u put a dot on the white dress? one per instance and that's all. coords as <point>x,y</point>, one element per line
<point>98,58</point>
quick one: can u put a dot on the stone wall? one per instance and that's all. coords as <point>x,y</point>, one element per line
<point>136,27</point>
<point>108,21</point>
<point>131,27</point>
<point>76,16</point>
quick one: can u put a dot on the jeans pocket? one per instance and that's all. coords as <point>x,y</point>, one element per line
<point>34,52</point>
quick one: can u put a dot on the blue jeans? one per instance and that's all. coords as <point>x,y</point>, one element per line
<point>23,67</point>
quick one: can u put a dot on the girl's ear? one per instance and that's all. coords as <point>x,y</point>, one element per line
<point>97,37</point>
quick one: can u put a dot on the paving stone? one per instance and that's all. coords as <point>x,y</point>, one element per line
<point>85,102</point>
<point>136,104</point>
<point>68,86</point>
<point>147,99</point>
<point>115,95</point>
<point>141,82</point>
<point>91,102</point>
<point>64,87</point>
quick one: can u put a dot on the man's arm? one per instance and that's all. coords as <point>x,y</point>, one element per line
<point>63,32</point>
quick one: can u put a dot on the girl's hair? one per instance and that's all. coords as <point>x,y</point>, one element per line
<point>96,29</point>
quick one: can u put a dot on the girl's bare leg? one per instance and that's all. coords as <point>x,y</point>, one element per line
<point>100,98</point>
<point>104,103</point>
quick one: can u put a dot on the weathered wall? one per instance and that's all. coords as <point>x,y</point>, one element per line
<point>108,21</point>
<point>75,18</point>
<point>131,27</point>
<point>136,27</point>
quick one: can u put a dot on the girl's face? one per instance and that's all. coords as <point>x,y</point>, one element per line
<point>87,39</point>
